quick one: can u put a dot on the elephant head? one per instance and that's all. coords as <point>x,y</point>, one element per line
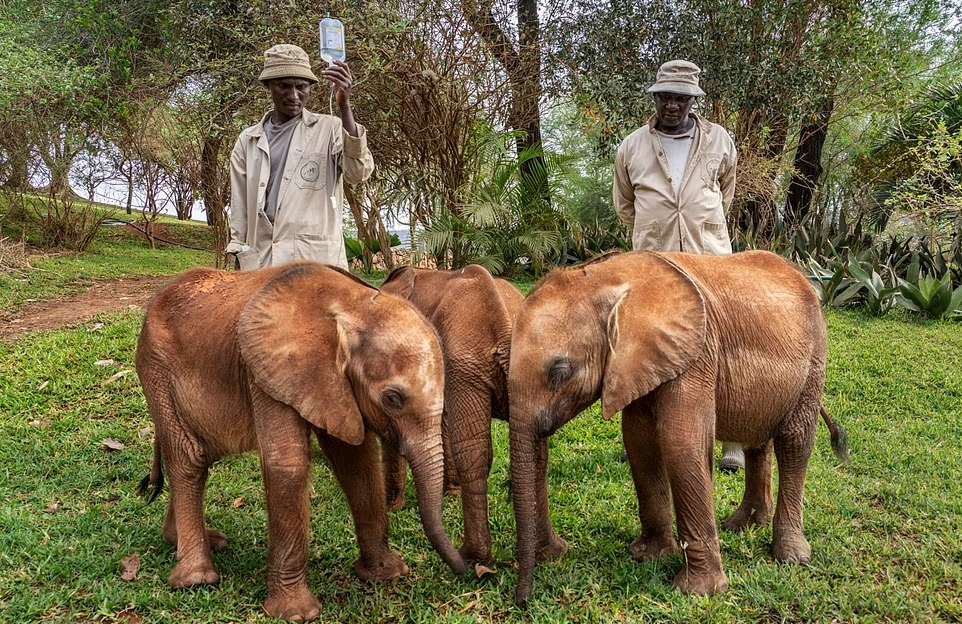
<point>615,328</point>
<point>347,357</point>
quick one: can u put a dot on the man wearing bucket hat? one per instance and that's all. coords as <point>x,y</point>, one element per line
<point>287,171</point>
<point>675,179</point>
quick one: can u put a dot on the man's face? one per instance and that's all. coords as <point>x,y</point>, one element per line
<point>289,95</point>
<point>672,109</point>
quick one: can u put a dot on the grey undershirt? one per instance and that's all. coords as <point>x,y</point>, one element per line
<point>677,148</point>
<point>279,140</point>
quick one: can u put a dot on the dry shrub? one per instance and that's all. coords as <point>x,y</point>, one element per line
<point>14,256</point>
<point>66,223</point>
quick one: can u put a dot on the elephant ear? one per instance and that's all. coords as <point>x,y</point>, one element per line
<point>296,348</point>
<point>656,330</point>
<point>400,282</point>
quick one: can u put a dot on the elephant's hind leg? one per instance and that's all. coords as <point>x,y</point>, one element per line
<point>186,464</point>
<point>651,484</point>
<point>358,470</point>
<point>794,440</point>
<point>218,541</point>
<point>756,505</point>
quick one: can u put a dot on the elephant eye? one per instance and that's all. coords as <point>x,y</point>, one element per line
<point>392,399</point>
<point>559,372</point>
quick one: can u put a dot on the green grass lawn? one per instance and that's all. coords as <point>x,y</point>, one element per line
<point>886,530</point>
<point>116,252</point>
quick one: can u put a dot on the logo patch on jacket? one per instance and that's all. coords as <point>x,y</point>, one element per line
<point>311,171</point>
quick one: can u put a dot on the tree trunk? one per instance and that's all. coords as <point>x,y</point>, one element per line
<point>808,165</point>
<point>363,231</point>
<point>215,188</point>
<point>18,154</point>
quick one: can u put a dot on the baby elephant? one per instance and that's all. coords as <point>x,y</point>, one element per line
<point>473,314</point>
<point>235,362</point>
<point>690,348</point>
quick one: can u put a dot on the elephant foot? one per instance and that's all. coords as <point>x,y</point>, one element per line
<point>652,547</point>
<point>217,540</point>
<point>553,548</point>
<point>296,605</point>
<point>700,584</point>
<point>387,568</point>
<point>791,547</point>
<point>746,516</point>
<point>191,573</point>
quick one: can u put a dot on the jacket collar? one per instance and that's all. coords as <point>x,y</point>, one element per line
<point>700,121</point>
<point>310,118</point>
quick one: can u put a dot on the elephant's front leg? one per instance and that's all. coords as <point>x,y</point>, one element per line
<point>552,545</point>
<point>651,484</point>
<point>284,441</point>
<point>468,426</point>
<point>358,470</point>
<point>685,410</point>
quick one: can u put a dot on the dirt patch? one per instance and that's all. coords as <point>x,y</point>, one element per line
<point>102,297</point>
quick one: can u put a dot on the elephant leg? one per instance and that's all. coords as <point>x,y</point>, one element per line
<point>756,505</point>
<point>467,421</point>
<point>187,480</point>
<point>452,485</point>
<point>794,440</point>
<point>552,546</point>
<point>358,470</point>
<point>685,411</point>
<point>395,475</point>
<point>651,484</point>
<point>187,465</point>
<point>218,541</point>
<point>284,441</point>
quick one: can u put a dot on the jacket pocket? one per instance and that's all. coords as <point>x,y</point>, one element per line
<point>317,249</point>
<point>714,238</point>
<point>310,174</point>
<point>249,259</point>
<point>646,237</point>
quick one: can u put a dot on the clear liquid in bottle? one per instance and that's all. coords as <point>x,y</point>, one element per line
<point>332,40</point>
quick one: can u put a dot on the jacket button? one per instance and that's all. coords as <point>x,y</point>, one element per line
<point>262,184</point>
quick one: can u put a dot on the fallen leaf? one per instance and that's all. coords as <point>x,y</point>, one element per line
<point>481,571</point>
<point>131,566</point>
<point>109,444</point>
<point>103,363</point>
<point>53,507</point>
<point>96,326</point>
<point>43,385</point>
<point>117,376</point>
<point>238,502</point>
<point>144,433</point>
<point>129,616</point>
<point>36,423</point>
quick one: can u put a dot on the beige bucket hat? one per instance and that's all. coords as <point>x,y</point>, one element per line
<point>287,61</point>
<point>677,77</point>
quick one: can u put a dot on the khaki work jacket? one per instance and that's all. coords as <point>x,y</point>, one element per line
<point>694,219</point>
<point>307,225</point>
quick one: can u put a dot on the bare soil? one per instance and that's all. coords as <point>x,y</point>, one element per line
<point>103,297</point>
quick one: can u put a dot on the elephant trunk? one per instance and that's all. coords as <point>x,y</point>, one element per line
<point>526,468</point>
<point>427,465</point>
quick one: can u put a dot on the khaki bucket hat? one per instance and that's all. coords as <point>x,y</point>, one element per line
<point>677,77</point>
<point>287,61</point>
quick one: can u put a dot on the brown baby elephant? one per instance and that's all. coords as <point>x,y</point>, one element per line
<point>235,362</point>
<point>690,348</point>
<point>473,314</point>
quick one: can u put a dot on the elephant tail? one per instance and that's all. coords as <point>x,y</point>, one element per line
<point>153,484</point>
<point>839,436</point>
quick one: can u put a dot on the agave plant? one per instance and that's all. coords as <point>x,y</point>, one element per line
<point>931,296</point>
<point>834,286</point>
<point>877,295</point>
